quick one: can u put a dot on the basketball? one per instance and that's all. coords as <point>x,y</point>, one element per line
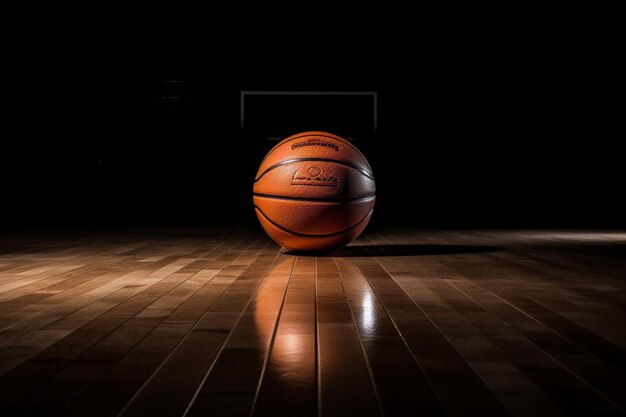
<point>314,191</point>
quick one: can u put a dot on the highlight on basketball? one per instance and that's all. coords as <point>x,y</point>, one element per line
<point>314,191</point>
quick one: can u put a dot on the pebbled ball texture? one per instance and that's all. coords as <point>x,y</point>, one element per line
<point>314,191</point>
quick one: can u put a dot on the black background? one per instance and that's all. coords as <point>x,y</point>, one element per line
<point>477,127</point>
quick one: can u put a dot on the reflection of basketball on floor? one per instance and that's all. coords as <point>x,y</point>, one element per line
<point>314,191</point>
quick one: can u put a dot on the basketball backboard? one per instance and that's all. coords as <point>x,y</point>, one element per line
<point>276,114</point>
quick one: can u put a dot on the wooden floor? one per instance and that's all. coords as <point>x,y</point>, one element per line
<point>179,322</point>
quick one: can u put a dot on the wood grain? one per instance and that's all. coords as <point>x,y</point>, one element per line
<point>403,322</point>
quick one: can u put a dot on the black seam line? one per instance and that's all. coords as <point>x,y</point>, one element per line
<point>322,200</point>
<point>323,136</point>
<point>310,235</point>
<point>291,161</point>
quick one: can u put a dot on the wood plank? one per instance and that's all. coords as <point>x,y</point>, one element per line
<point>290,379</point>
<point>434,322</point>
<point>424,284</point>
<point>183,369</point>
<point>400,381</point>
<point>566,388</point>
<point>440,362</point>
<point>231,384</point>
<point>345,385</point>
<point>23,379</point>
<point>577,296</point>
<point>169,344</point>
<point>577,361</point>
<point>31,293</point>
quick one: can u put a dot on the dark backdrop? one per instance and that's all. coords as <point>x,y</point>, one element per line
<point>489,132</point>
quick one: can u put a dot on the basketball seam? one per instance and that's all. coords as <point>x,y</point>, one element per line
<point>276,240</point>
<point>310,235</point>
<point>315,200</point>
<point>291,161</point>
<point>338,138</point>
<point>289,139</point>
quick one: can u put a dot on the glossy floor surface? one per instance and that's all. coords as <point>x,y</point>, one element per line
<point>179,322</point>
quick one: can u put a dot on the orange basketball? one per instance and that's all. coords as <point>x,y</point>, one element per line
<point>314,191</point>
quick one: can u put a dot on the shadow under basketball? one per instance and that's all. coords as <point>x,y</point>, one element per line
<point>399,250</point>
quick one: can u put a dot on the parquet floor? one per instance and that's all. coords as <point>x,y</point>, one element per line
<point>222,323</point>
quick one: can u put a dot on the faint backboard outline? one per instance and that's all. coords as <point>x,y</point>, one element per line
<point>243,94</point>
